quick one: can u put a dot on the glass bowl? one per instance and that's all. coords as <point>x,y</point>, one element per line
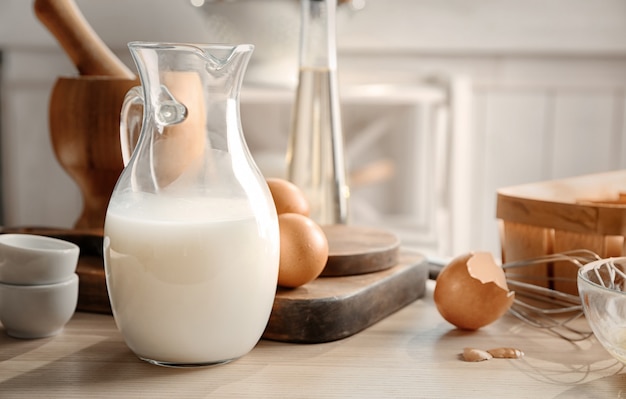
<point>602,286</point>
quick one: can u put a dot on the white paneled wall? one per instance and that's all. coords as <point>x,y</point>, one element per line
<point>534,117</point>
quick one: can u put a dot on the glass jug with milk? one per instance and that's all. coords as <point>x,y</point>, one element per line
<point>191,242</point>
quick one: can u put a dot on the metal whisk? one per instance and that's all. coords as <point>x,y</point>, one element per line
<point>548,308</point>
<point>610,274</point>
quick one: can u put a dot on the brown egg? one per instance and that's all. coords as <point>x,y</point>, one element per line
<point>303,250</point>
<point>288,197</point>
<point>471,291</point>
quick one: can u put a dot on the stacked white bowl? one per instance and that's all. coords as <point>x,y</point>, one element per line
<point>38,284</point>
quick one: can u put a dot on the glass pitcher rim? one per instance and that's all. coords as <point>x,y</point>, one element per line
<point>202,46</point>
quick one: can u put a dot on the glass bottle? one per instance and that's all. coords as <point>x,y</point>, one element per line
<point>315,155</point>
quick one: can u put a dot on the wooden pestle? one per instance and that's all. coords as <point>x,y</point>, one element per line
<point>81,43</point>
<point>84,110</point>
<point>85,113</point>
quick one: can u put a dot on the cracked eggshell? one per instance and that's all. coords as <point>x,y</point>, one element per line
<point>471,291</point>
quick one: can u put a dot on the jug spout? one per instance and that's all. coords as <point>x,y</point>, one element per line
<point>218,61</point>
<point>219,57</point>
<point>228,63</point>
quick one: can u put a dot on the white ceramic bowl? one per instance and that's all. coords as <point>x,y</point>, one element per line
<point>32,259</point>
<point>602,289</point>
<point>37,311</point>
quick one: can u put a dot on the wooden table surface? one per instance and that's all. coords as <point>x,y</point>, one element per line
<point>413,353</point>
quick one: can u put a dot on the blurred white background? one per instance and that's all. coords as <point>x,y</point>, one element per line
<point>456,98</point>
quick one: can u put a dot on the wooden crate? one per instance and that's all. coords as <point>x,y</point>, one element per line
<point>584,212</point>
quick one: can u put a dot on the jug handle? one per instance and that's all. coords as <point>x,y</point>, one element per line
<point>130,122</point>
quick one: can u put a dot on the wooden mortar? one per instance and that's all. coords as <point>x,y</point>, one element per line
<point>84,119</point>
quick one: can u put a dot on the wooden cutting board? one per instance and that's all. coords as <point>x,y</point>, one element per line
<point>359,249</point>
<point>326,309</point>
<point>332,308</point>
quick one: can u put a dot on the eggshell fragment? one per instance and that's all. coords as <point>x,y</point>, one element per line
<point>506,353</point>
<point>471,291</point>
<point>476,355</point>
<point>303,250</point>
<point>288,198</point>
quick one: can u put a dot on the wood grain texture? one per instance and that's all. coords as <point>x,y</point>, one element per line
<point>583,212</point>
<point>332,308</point>
<point>523,241</point>
<point>587,204</point>
<point>359,249</point>
<point>413,353</point>
<point>84,119</point>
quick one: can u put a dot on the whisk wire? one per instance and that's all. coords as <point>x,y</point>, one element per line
<point>545,307</point>
<point>613,271</point>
